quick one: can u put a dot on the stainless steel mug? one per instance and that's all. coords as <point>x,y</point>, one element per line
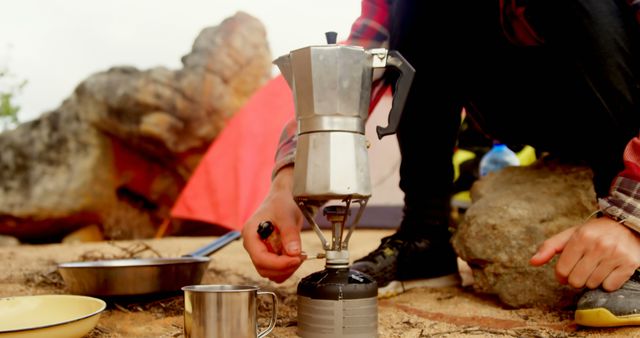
<point>224,311</point>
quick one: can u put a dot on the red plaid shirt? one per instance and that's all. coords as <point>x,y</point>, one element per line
<point>371,27</point>
<point>370,30</point>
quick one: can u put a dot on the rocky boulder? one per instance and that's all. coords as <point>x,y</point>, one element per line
<point>512,213</point>
<point>118,151</point>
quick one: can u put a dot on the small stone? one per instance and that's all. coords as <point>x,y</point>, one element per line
<point>8,241</point>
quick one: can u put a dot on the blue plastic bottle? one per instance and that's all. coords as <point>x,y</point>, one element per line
<point>498,157</point>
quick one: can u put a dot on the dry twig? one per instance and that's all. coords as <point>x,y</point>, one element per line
<point>131,251</point>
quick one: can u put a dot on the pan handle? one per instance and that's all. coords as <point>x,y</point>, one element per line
<point>215,245</point>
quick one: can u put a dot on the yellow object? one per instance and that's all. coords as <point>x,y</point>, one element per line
<point>527,155</point>
<point>50,316</point>
<point>601,317</point>
<point>463,197</point>
<point>163,228</point>
<point>459,157</point>
<point>90,233</point>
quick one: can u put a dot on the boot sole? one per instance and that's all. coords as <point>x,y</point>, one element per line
<point>397,287</point>
<point>601,317</point>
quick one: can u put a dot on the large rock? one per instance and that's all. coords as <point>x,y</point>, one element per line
<point>513,212</point>
<point>118,151</point>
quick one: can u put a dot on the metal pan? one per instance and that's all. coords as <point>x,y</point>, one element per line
<point>124,277</point>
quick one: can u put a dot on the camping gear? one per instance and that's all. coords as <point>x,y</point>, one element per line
<point>225,311</point>
<point>51,316</point>
<point>331,86</point>
<point>139,276</point>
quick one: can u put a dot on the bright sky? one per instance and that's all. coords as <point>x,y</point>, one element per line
<point>55,44</point>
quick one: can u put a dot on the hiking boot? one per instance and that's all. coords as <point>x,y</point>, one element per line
<point>401,263</point>
<point>599,308</point>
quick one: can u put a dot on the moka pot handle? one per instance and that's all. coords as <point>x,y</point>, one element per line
<point>401,91</point>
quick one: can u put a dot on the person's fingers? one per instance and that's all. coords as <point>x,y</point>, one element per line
<point>551,247</point>
<point>604,255</point>
<point>600,273</point>
<point>250,239</point>
<point>281,210</point>
<point>617,278</point>
<point>590,266</point>
<point>571,254</point>
<point>271,261</point>
<point>600,252</point>
<point>291,240</point>
<point>263,259</point>
<point>289,223</point>
<point>278,276</point>
<point>275,267</point>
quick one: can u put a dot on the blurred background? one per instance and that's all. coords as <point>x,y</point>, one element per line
<point>122,148</point>
<point>55,44</point>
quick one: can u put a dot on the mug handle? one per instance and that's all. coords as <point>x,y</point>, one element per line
<point>274,314</point>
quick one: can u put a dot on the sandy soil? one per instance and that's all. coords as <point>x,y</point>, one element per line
<point>442,312</point>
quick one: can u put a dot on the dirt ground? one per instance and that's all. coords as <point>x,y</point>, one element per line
<point>442,312</point>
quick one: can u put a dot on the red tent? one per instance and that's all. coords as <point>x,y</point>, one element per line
<point>234,174</point>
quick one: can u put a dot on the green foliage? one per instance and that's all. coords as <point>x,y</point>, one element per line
<point>9,88</point>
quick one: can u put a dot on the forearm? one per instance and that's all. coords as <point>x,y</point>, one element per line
<point>286,152</point>
<point>623,202</point>
<point>283,180</point>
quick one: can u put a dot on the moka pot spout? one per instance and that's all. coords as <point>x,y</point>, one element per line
<point>284,64</point>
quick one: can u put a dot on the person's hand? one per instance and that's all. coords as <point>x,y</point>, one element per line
<point>598,252</point>
<point>279,208</point>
